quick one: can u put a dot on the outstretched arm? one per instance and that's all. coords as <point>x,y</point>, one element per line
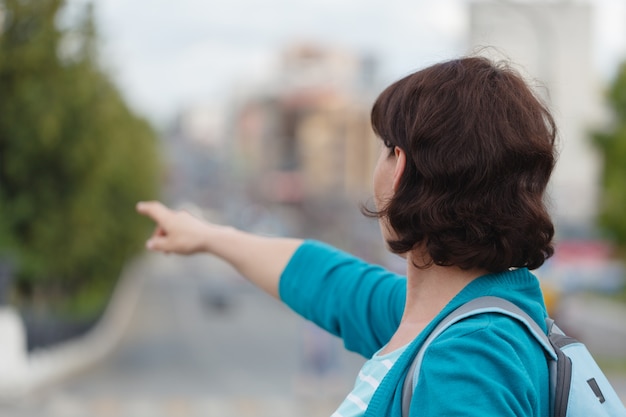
<point>258,258</point>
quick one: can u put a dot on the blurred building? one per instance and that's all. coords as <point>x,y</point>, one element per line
<point>551,41</point>
<point>195,154</point>
<point>202,124</point>
<point>306,133</point>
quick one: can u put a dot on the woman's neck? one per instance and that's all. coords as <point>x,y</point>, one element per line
<point>429,290</point>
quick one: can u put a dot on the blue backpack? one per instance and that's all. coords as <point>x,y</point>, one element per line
<point>578,388</point>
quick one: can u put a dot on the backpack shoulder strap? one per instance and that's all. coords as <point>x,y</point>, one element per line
<point>487,304</point>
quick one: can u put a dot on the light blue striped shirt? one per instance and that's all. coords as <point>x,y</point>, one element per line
<point>370,376</point>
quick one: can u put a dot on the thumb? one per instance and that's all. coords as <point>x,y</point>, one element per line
<point>158,243</point>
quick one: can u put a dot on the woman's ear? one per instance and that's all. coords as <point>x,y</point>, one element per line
<point>400,166</point>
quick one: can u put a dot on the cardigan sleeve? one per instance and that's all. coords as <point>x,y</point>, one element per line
<point>357,301</point>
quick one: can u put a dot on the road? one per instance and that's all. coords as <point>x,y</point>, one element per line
<point>202,342</point>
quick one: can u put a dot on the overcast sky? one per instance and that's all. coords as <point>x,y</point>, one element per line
<point>166,54</point>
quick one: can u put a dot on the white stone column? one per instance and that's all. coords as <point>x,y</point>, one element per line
<point>13,354</point>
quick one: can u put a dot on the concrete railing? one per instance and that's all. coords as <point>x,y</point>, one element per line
<point>22,373</point>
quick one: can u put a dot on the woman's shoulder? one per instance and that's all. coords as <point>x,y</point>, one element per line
<point>484,365</point>
<point>489,338</point>
<point>490,326</point>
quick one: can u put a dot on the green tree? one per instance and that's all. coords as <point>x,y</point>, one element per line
<point>74,158</point>
<point>612,145</point>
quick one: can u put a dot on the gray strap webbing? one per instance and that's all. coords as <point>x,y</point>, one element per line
<point>487,304</point>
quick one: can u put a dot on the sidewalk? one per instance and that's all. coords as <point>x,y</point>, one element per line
<point>244,406</point>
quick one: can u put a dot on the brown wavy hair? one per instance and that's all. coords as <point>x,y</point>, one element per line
<point>480,148</point>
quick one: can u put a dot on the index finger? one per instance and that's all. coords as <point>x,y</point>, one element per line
<point>153,209</point>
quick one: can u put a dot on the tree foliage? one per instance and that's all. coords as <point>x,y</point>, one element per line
<point>612,145</point>
<point>74,158</point>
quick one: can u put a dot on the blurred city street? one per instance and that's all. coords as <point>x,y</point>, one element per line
<point>202,342</point>
<point>202,345</point>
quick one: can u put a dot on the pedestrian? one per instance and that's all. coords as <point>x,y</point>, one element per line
<point>466,153</point>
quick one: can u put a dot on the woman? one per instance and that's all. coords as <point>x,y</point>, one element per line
<point>467,152</point>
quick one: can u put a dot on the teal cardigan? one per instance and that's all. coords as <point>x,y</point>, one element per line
<point>486,365</point>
